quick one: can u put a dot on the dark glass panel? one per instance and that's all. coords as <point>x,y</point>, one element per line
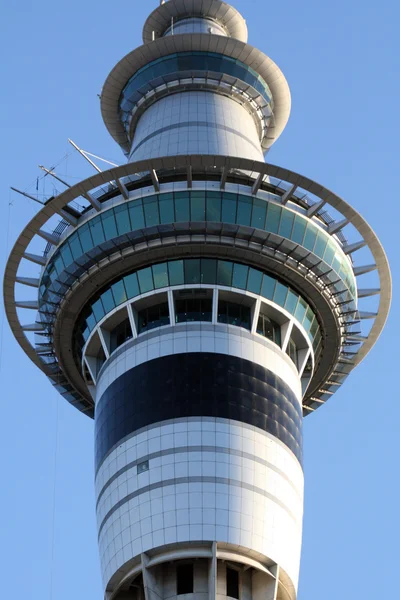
<point>259,213</point>
<point>280,294</point>
<point>214,204</point>
<point>193,309</point>
<point>131,285</point>
<point>75,246</point>
<point>122,219</point>
<point>273,218</point>
<point>108,301</point>
<point>299,229</point>
<point>167,212</point>
<point>234,314</point>
<point>208,270</point>
<point>120,335</point>
<point>160,274</point>
<point>152,317</point>
<point>85,238</point>
<point>184,579</point>
<point>145,278</point>
<point>291,302</point>
<point>301,310</point>
<point>229,205</point>
<point>136,214</point>
<point>310,237</point>
<point>268,287</point>
<point>254,281</point>
<point>245,206</point>
<point>109,225</point>
<point>182,207</point>
<point>198,206</point>
<point>269,329</point>
<point>98,310</point>
<point>232,583</point>
<point>224,273</point>
<point>151,215</point>
<point>321,244</point>
<point>330,252</point>
<point>66,254</point>
<point>119,293</point>
<point>96,230</point>
<point>176,274</point>
<point>239,279</point>
<point>286,224</point>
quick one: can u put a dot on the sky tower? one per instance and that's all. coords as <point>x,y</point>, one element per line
<point>197,302</point>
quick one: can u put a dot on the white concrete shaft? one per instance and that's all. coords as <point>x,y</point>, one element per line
<point>196,123</point>
<point>207,480</point>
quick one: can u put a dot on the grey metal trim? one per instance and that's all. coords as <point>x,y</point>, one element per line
<point>195,479</point>
<point>141,56</point>
<point>193,163</point>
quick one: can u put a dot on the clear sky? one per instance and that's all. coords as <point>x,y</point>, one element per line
<point>341,60</point>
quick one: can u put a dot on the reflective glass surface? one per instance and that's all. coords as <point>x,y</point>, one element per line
<point>181,207</point>
<point>169,68</point>
<point>204,271</point>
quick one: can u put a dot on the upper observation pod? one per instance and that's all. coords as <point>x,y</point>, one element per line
<point>195,87</point>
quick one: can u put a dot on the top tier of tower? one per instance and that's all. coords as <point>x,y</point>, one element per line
<point>195,16</point>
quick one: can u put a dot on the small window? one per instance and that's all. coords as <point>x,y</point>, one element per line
<point>184,579</point>
<point>190,310</point>
<point>291,351</point>
<point>143,467</point>
<point>269,329</point>
<point>232,583</point>
<point>152,317</point>
<point>120,335</point>
<point>234,314</point>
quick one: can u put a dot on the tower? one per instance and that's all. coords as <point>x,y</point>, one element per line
<point>203,301</point>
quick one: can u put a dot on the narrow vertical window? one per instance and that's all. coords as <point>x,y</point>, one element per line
<point>232,583</point>
<point>184,579</point>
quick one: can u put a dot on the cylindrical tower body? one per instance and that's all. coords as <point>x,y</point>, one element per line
<point>199,305</point>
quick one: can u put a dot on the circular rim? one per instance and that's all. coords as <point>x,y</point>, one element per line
<point>221,12</point>
<point>56,204</point>
<point>200,42</point>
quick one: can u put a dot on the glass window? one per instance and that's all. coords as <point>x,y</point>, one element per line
<point>291,302</point>
<point>184,579</point>
<point>136,214</point>
<point>109,225</point>
<point>286,225</point>
<point>198,206</point>
<point>193,309</point>
<point>175,269</point>
<point>314,328</point>
<point>167,212</point>
<point>208,270</point>
<point>299,229</point>
<point>245,205</point>
<point>301,310</point>
<point>91,321</point>
<point>120,335</point>
<point>131,285</point>
<point>213,206</point>
<point>75,246</point>
<point>160,274</point>
<point>273,218</point>
<point>86,238</point>
<point>59,264</point>
<point>232,583</point>
<point>229,203</point>
<point>234,314</point>
<point>122,219</point>
<point>320,244</point>
<point>308,319</point>
<point>239,279</point>
<point>96,230</point>
<point>192,271</point>
<point>145,278</point>
<point>310,237</point>
<point>224,273</point>
<point>329,253</point>
<point>254,281</point>
<point>280,294</point>
<point>66,254</point>
<point>152,317</point>
<point>291,351</point>
<point>151,215</point>
<point>98,310</point>
<point>108,301</point>
<point>182,207</point>
<point>268,287</point>
<point>119,293</point>
<point>268,328</point>
<point>259,213</point>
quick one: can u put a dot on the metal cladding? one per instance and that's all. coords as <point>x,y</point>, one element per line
<point>198,306</point>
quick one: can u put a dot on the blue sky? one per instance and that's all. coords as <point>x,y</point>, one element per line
<point>341,61</point>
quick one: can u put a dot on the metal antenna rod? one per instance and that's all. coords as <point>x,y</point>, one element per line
<point>85,155</point>
<point>27,195</point>
<point>54,175</point>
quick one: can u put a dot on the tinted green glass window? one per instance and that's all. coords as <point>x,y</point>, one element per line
<point>198,206</point>
<point>131,285</point>
<point>136,214</point>
<point>320,244</point>
<point>214,203</point>
<point>109,225</point>
<point>286,224</point>
<point>291,302</point>
<point>208,270</point>
<point>160,274</point>
<point>151,215</point>
<point>329,253</point>
<point>239,279</point>
<point>85,238</point>
<point>224,273</point>
<point>310,237</point>
<point>337,261</point>
<point>175,269</point>
<point>108,301</point>
<point>245,206</point>
<point>301,310</point>
<point>96,230</point>
<point>259,214</point>
<point>254,281</point>
<point>229,204</point>
<point>192,270</point>
<point>91,322</point>
<point>308,319</point>
<point>119,293</point>
<point>314,328</point>
<point>145,278</point>
<point>299,229</point>
<point>280,294</point>
<point>66,254</point>
<point>268,287</point>
<point>167,212</point>
<point>75,246</point>
<point>122,219</point>
<point>273,218</point>
<point>182,206</point>
<point>59,265</point>
<point>98,310</point>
